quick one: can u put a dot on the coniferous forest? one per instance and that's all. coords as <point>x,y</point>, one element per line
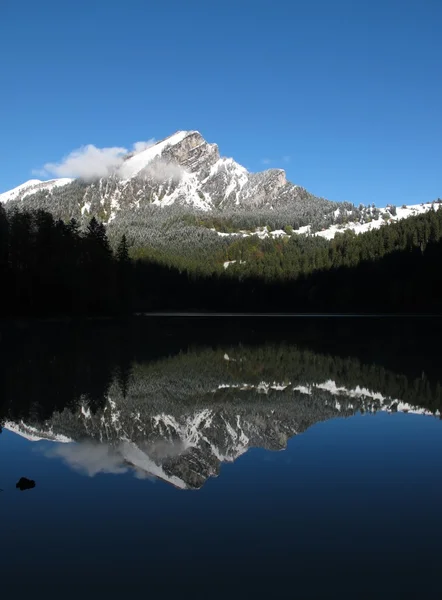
<point>50,267</point>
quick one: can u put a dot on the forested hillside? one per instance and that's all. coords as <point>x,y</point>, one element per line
<point>50,267</point>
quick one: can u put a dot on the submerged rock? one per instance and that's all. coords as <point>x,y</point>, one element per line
<point>25,484</point>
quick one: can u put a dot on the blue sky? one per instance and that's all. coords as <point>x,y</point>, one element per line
<point>345,95</point>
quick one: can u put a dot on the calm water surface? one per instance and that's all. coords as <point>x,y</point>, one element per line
<point>242,464</point>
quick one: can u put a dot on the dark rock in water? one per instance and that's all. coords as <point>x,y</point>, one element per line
<point>25,484</point>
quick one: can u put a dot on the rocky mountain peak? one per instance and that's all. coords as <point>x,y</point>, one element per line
<point>192,152</point>
<point>185,149</point>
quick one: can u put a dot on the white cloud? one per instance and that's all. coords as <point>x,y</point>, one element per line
<point>266,161</point>
<point>90,162</point>
<point>286,159</point>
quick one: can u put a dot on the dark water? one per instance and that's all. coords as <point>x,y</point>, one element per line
<point>212,459</point>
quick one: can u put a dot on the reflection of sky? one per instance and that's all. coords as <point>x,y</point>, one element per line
<point>350,500</point>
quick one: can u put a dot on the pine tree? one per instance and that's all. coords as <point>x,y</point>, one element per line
<point>122,251</point>
<point>96,233</point>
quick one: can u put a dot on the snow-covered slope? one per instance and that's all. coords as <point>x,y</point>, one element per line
<point>383,217</point>
<point>31,187</point>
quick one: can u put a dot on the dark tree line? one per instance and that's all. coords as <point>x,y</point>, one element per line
<point>401,282</point>
<point>50,267</point>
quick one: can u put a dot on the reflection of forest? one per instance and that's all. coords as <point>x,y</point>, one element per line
<point>156,364</point>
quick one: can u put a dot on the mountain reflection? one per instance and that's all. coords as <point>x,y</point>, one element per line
<point>178,418</point>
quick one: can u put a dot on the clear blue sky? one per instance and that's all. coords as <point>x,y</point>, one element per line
<point>350,90</point>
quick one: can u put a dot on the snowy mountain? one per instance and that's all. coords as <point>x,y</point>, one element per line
<point>183,169</point>
<point>186,173</point>
<point>183,174</point>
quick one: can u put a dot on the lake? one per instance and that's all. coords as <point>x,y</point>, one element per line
<point>213,458</point>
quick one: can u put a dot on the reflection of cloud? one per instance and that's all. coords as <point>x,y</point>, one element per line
<point>89,458</point>
<point>140,474</point>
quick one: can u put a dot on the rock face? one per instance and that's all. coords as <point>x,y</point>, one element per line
<point>183,169</point>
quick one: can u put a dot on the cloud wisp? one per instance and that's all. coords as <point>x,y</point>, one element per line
<point>91,458</point>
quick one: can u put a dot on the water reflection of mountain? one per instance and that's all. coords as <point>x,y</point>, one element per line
<point>180,418</point>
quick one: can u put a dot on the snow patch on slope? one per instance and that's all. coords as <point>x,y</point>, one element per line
<point>401,213</point>
<point>329,233</point>
<point>330,386</point>
<point>360,392</point>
